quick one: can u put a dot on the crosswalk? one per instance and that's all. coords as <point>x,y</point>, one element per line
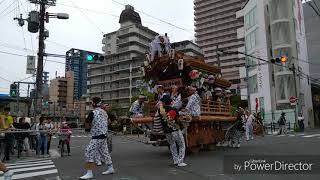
<point>32,168</point>
<point>302,135</point>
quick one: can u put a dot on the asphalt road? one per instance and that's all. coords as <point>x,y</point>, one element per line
<point>137,161</point>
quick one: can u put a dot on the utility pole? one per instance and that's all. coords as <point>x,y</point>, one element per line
<point>248,86</point>
<point>36,22</point>
<point>40,55</point>
<point>296,94</point>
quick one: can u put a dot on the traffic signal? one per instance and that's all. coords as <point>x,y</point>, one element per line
<point>13,90</point>
<point>94,58</point>
<point>33,21</point>
<point>281,59</point>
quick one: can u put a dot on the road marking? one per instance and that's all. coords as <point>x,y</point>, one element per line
<point>291,135</point>
<point>54,137</point>
<point>79,136</point>
<point>281,135</point>
<point>72,136</point>
<point>28,165</point>
<point>30,162</point>
<point>312,135</point>
<point>32,168</point>
<point>33,174</point>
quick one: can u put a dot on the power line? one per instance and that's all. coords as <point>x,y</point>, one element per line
<point>89,10</point>
<point>289,68</point>
<point>100,12</point>
<point>58,44</point>
<point>21,55</point>
<point>314,2</point>
<point>166,22</point>
<point>87,17</point>
<point>2,1</point>
<point>5,79</point>
<point>5,9</point>
<point>314,9</point>
<point>305,61</point>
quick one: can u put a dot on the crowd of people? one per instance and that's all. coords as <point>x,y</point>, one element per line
<point>20,136</point>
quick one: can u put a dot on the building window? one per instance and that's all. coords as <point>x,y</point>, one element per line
<point>250,18</point>
<point>235,81</point>
<point>251,62</point>
<point>251,40</point>
<point>253,84</point>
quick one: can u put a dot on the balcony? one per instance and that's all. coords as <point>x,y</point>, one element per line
<point>212,13</point>
<point>217,5</point>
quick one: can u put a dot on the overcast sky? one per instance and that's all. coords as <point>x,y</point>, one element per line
<point>89,19</point>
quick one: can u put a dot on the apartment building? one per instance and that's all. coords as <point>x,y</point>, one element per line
<point>124,50</point>
<point>275,28</point>
<point>61,92</point>
<point>188,47</point>
<point>216,28</point>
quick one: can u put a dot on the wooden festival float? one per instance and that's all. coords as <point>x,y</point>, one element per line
<point>176,68</point>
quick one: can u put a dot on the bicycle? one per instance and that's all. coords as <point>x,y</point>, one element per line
<point>64,138</point>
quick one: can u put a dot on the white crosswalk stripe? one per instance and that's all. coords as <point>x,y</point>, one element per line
<point>299,135</point>
<point>32,168</point>
<point>312,135</point>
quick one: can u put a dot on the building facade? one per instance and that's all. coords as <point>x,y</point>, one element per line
<point>216,26</point>
<point>124,50</point>
<point>188,47</point>
<point>61,94</point>
<point>275,28</point>
<point>77,62</point>
<point>312,26</point>
<point>311,20</point>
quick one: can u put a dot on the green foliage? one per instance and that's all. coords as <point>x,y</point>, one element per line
<point>117,110</point>
<point>237,102</point>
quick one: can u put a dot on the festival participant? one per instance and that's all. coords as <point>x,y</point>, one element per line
<point>7,173</point>
<point>136,108</point>
<point>50,128</point>
<point>249,125</point>
<point>171,128</point>
<point>43,138</point>
<point>7,123</point>
<point>176,97</point>
<point>106,108</point>
<point>237,130</point>
<point>66,130</point>
<point>282,124</point>
<point>98,143</point>
<point>194,102</point>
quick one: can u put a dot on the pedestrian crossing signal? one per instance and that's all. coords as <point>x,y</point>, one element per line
<point>13,90</point>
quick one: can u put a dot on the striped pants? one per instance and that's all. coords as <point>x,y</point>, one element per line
<point>176,138</point>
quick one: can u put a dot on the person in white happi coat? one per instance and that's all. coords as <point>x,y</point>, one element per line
<point>249,125</point>
<point>193,107</point>
<point>136,109</point>
<point>176,97</point>
<point>168,118</point>
<point>98,143</point>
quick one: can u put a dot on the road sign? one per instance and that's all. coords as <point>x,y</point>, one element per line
<point>293,100</point>
<point>31,64</point>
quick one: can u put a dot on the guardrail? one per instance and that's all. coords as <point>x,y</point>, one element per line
<point>273,127</point>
